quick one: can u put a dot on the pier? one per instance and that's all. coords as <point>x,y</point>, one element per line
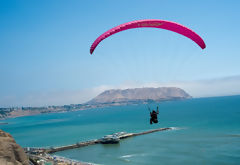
<point>98,141</point>
<point>41,155</point>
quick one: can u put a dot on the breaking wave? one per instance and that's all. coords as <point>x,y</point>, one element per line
<point>127,157</point>
<point>177,128</point>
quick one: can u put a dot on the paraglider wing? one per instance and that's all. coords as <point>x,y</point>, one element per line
<point>151,23</point>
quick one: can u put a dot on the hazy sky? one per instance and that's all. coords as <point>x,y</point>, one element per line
<point>45,59</point>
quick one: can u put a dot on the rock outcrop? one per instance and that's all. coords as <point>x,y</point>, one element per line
<point>140,95</point>
<point>10,152</point>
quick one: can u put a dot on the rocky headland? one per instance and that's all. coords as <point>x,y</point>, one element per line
<point>10,152</point>
<point>112,97</point>
<point>139,95</point>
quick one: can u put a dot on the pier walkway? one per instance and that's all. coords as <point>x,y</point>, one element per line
<point>97,141</point>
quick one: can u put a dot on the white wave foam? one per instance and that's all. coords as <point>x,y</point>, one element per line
<point>89,163</point>
<point>127,156</point>
<point>132,155</point>
<point>72,161</point>
<point>178,128</point>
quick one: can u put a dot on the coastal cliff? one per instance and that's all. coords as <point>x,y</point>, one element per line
<point>10,152</point>
<point>140,95</point>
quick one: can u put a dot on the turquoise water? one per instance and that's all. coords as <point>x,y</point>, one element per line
<point>207,132</point>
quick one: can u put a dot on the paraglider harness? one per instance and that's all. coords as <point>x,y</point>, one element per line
<point>153,115</point>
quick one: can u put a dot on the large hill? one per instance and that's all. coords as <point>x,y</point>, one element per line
<point>107,98</point>
<point>139,95</point>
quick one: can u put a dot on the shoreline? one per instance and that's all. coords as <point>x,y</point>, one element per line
<point>71,108</point>
<point>45,154</point>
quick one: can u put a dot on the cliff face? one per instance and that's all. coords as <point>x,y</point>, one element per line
<point>10,152</point>
<point>140,94</point>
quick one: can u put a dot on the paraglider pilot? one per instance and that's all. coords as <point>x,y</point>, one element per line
<point>153,115</point>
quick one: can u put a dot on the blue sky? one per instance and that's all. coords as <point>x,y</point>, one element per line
<point>44,48</point>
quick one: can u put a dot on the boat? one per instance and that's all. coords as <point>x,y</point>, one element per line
<point>109,139</point>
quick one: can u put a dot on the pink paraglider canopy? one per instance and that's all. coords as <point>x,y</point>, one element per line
<point>151,23</point>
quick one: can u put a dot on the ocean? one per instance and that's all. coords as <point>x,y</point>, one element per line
<point>206,132</point>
